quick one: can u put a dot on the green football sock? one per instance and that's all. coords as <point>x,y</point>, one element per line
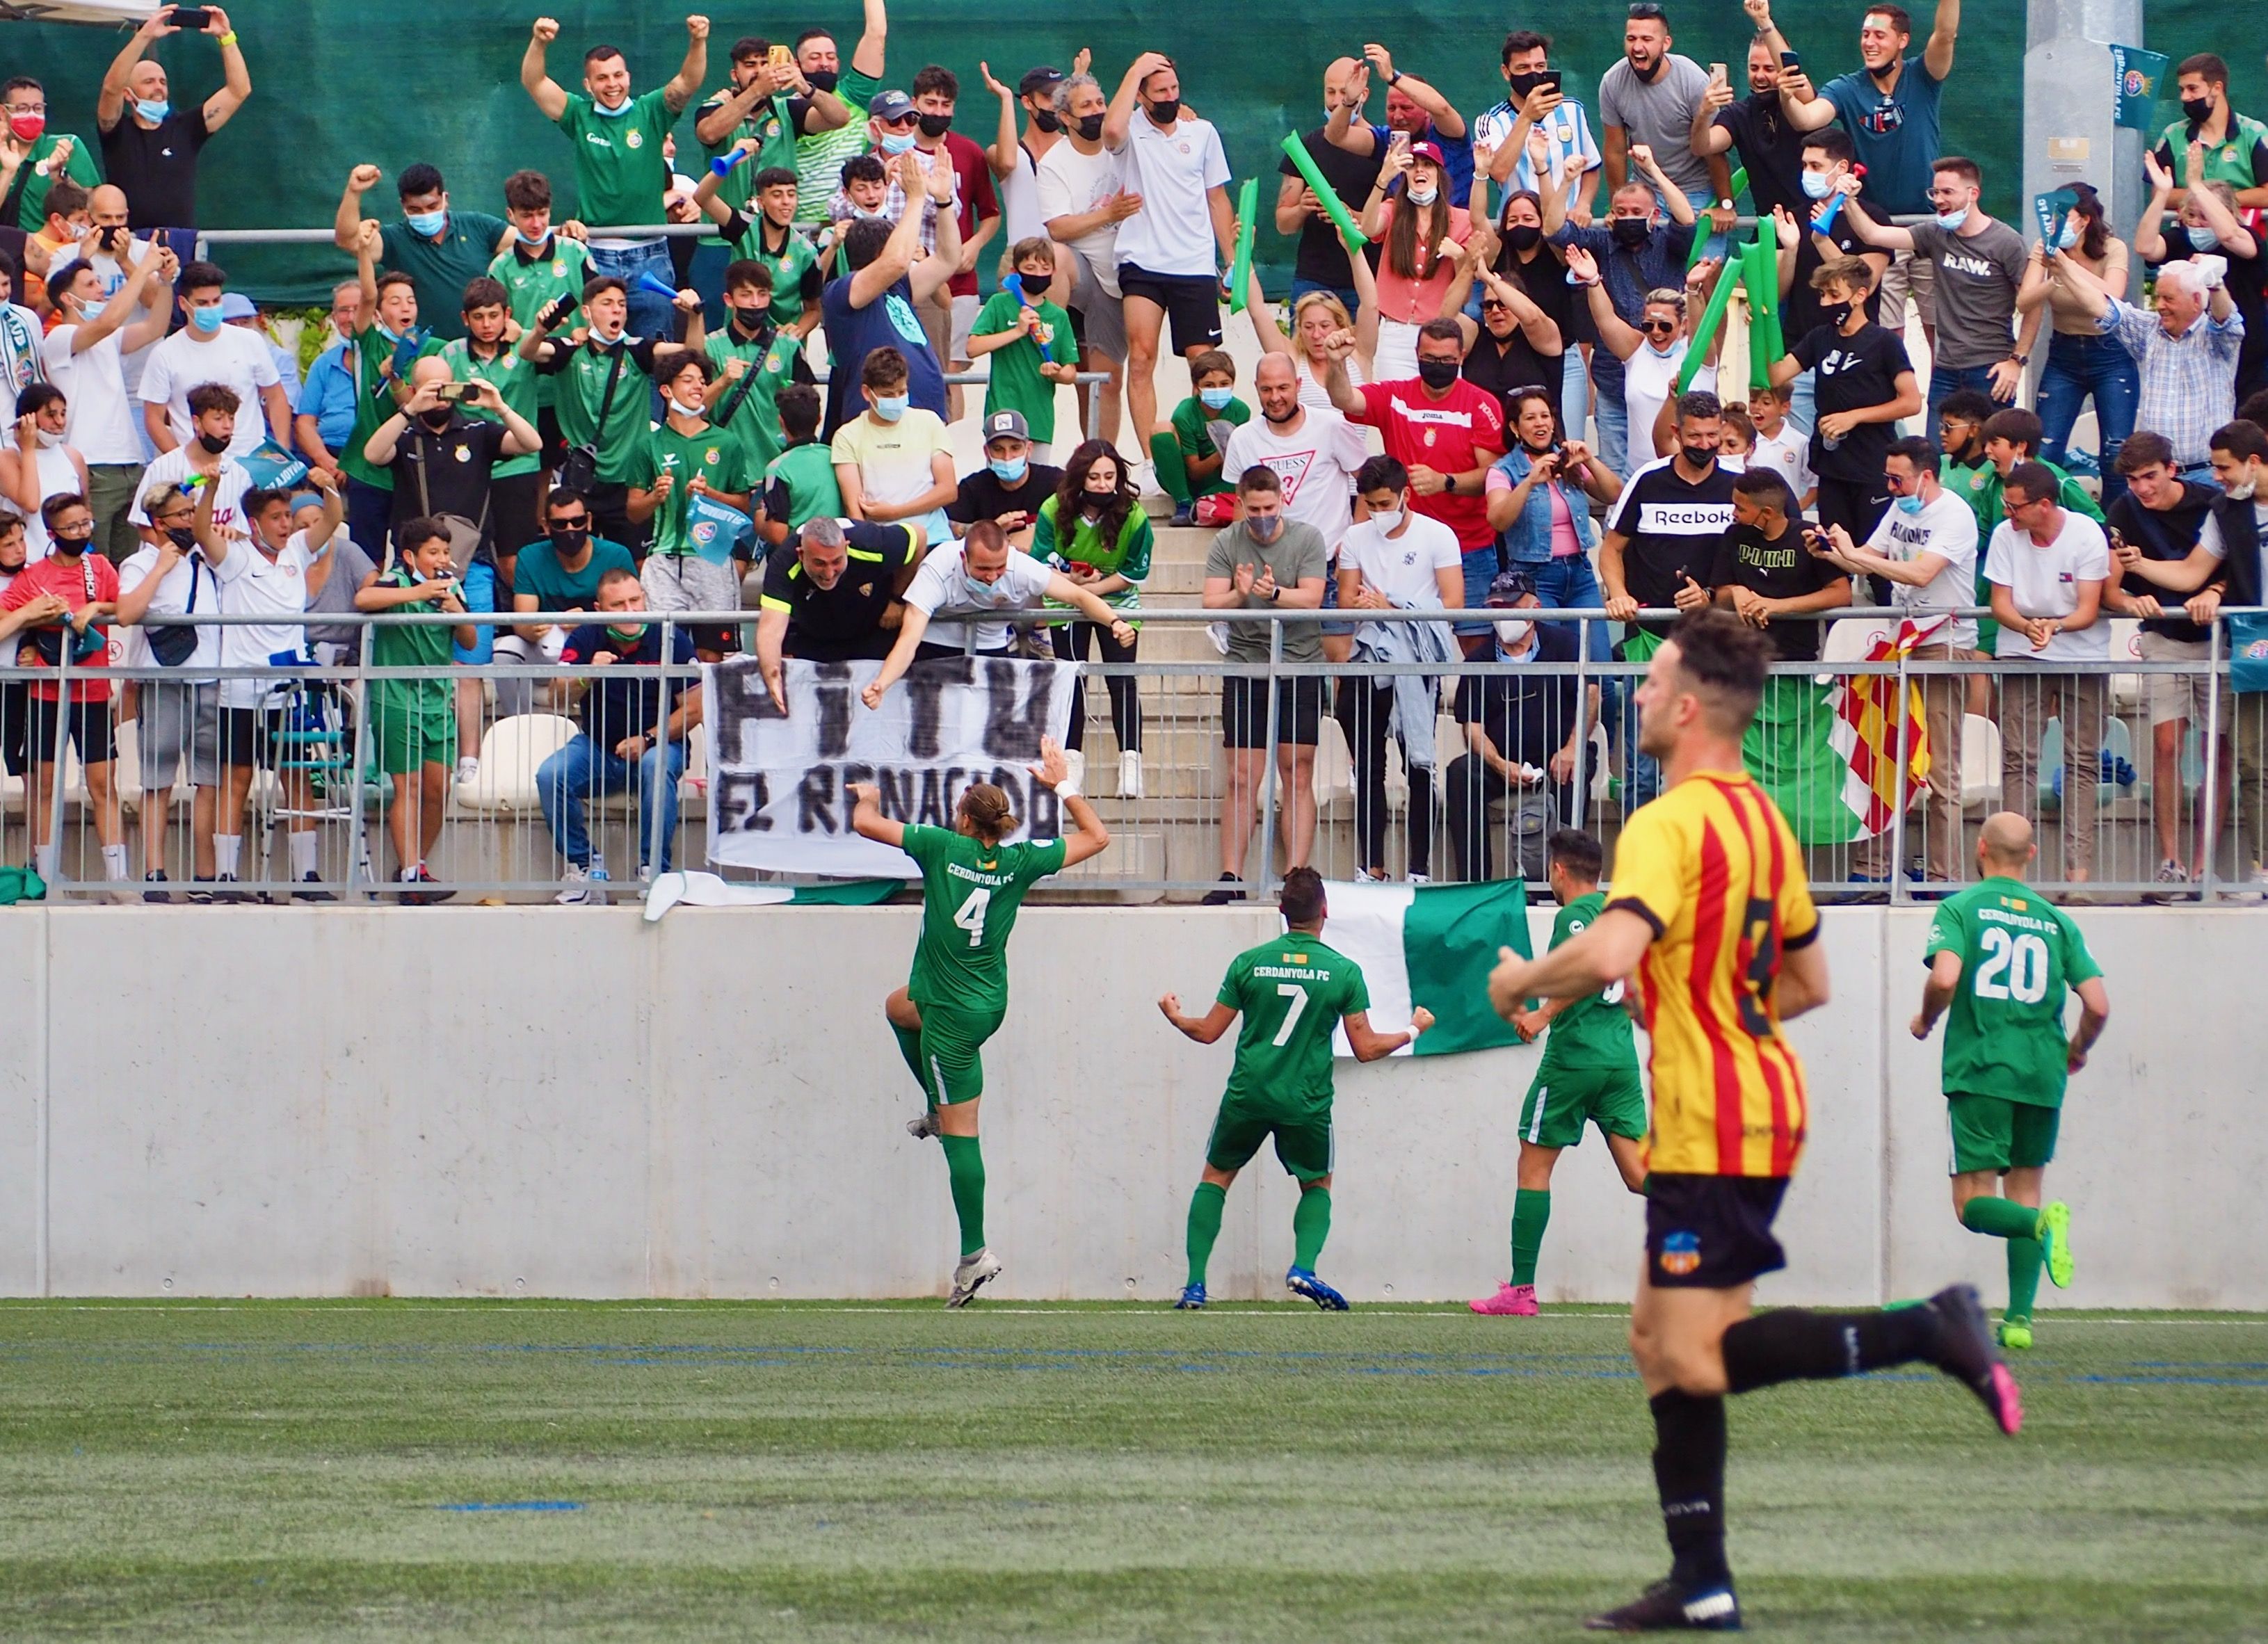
<point>1311,1225</point>
<point>1531,1212</point>
<point>964,1159</point>
<point>910,1047</point>
<point>2001,1218</point>
<point>1173,473</point>
<point>1205,1206</point>
<point>2025,1258</point>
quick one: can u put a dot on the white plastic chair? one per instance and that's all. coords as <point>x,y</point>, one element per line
<point>2125,647</point>
<point>1849,638</point>
<point>1334,767</point>
<point>511,754</point>
<point>1980,763</point>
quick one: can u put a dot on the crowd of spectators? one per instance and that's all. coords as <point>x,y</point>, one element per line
<point>1508,399</point>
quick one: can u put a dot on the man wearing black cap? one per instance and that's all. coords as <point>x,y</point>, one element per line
<point>1015,159</point>
<point>1009,489</point>
<point>1523,734</point>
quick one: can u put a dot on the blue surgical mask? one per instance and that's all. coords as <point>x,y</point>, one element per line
<point>426,225</point>
<point>1817,186</point>
<point>2069,238</point>
<point>1010,473</point>
<point>1951,221</point>
<point>154,113</point>
<point>897,142</point>
<point>527,239</point>
<point>616,113</point>
<point>1424,196</point>
<point>890,406</point>
<point>1216,399</point>
<point>2203,239</point>
<point>1911,504</point>
<point>976,592</point>
<point>206,319</point>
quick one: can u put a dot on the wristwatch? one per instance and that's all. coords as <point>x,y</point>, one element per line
<point>1449,484</point>
<point>2022,359</point>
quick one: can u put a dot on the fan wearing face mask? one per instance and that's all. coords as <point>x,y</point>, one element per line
<point>2207,224</point>
<point>2082,363</point>
<point>150,146</point>
<point>1652,352</point>
<point>36,463</point>
<point>819,156</point>
<point>766,108</point>
<point>439,247</point>
<point>1421,234</point>
<point>2234,147</point>
<point>1865,386</point>
<point>691,475</point>
<point>1522,732</point>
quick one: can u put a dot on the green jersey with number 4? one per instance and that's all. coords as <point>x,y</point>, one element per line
<point>2020,953</point>
<point>1291,992</point>
<point>971,892</point>
<point>1594,1031</point>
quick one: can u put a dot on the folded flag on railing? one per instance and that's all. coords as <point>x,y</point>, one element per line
<point>707,890</point>
<point>1430,945</point>
<point>1851,790</point>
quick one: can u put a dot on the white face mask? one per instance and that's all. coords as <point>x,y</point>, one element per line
<point>1387,520</point>
<point>693,411</point>
<point>1513,632</point>
<point>48,441</point>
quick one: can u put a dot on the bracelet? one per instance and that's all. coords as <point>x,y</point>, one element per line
<point>229,39</point>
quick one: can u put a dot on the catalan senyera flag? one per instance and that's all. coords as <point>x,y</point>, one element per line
<point>1873,720</point>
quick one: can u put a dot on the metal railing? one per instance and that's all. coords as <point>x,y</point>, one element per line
<point>1359,799</point>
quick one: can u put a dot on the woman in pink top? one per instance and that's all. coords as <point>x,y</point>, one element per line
<point>1413,275</point>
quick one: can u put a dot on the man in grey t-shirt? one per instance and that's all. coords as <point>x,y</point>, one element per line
<point>1649,98</point>
<point>1266,560</point>
<point>1980,262</point>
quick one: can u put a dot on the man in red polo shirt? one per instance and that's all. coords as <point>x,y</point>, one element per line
<point>1445,432</point>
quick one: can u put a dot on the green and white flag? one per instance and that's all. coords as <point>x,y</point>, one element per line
<point>708,890</point>
<point>1430,945</point>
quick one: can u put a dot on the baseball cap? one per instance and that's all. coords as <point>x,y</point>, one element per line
<point>1429,151</point>
<point>1510,587</point>
<point>237,305</point>
<point>1006,425</point>
<point>889,105</point>
<point>1040,79</point>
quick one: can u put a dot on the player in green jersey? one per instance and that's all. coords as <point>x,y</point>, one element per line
<point>1589,1073</point>
<point>972,887</point>
<point>2000,958</point>
<point>1291,991</point>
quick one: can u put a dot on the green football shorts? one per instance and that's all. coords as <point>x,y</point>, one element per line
<point>1994,1133</point>
<point>1303,1144</point>
<point>1561,1099</point>
<point>952,1047</point>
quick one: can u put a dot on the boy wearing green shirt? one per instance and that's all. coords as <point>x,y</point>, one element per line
<point>415,720</point>
<point>389,343</point>
<point>1031,345</point>
<point>1291,992</point>
<point>692,565</point>
<point>536,264</point>
<point>1588,1075</point>
<point>819,157</point>
<point>481,355</point>
<point>755,359</point>
<point>768,238</point>
<point>2000,958</point>
<point>1187,457</point>
<point>799,484</point>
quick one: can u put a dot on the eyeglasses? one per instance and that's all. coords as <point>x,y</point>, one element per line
<point>28,109</point>
<point>901,120</point>
<point>1488,303</point>
<point>1661,327</point>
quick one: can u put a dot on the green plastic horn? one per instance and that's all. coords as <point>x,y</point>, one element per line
<point>1334,207</point>
<point>1240,276</point>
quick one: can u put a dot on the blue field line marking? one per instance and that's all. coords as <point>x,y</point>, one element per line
<point>509,1507</point>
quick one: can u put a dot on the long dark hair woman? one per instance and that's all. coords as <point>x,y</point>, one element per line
<point>1094,531</point>
<point>2082,363</point>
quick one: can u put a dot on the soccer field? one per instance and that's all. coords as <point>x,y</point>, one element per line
<point>509,1469</point>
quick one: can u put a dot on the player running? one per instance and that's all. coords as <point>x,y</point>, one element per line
<point>2005,1057</point>
<point>1291,991</point>
<point>972,887</point>
<point>1709,907</point>
<point>1589,1072</point>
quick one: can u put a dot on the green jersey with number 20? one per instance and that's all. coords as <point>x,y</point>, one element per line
<point>971,892</point>
<point>2019,953</point>
<point>1291,992</point>
<point>1594,1031</point>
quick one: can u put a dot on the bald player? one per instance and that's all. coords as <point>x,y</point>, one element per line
<point>2000,958</point>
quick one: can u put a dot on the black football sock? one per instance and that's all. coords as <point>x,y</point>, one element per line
<point>1797,1344</point>
<point>1689,1472</point>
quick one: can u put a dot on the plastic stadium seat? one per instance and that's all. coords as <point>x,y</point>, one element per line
<point>692,785</point>
<point>1334,767</point>
<point>126,767</point>
<point>2125,647</point>
<point>1980,764</point>
<point>1849,638</point>
<point>512,752</point>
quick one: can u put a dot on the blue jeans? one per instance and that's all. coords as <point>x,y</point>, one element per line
<point>1803,404</point>
<point>1614,430</point>
<point>581,771</point>
<point>1566,582</point>
<point>1642,781</point>
<point>2077,367</point>
<point>1943,379</point>
<point>650,314</point>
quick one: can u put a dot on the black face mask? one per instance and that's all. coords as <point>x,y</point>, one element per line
<point>1521,85</point>
<point>2196,110</point>
<point>754,319</point>
<point>1045,119</point>
<point>182,538</point>
<point>936,125</point>
<point>1649,76</point>
<point>1835,314</point>
<point>1437,374</point>
<point>1165,111</point>
<point>1631,232</point>
<point>213,445</point>
<point>1090,127</point>
<point>1696,457</point>
<point>1523,237</point>
<point>822,80</point>
<point>569,540</point>
<point>439,418</point>
<point>71,546</point>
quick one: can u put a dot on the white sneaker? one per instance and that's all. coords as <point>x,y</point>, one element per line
<point>1419,879</point>
<point>1076,762</point>
<point>469,771</point>
<point>1130,775</point>
<point>975,1272</point>
<point>924,1127</point>
<point>586,886</point>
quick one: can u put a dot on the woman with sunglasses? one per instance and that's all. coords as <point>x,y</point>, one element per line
<point>1653,353</point>
<point>1516,344</point>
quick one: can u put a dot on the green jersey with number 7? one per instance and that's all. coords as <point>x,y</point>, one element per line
<point>2020,953</point>
<point>971,892</point>
<point>1291,992</point>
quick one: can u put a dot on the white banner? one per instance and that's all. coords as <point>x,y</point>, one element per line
<point>779,784</point>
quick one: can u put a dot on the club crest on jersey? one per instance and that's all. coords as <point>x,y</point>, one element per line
<point>1681,1253</point>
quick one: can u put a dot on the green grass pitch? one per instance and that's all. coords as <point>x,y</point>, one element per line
<point>298,1471</point>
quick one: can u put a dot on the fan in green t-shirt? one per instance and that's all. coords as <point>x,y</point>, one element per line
<point>819,157</point>
<point>1030,344</point>
<point>621,173</point>
<point>2001,957</point>
<point>755,359</point>
<point>390,342</point>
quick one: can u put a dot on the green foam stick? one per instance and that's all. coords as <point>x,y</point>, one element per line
<point>1700,239</point>
<point>1239,274</point>
<point>1334,207</point>
<point>1761,276</point>
<point>1696,351</point>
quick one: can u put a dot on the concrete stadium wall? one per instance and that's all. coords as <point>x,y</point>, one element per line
<point>547,1102</point>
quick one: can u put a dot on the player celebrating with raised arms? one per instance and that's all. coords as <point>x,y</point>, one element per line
<point>1710,909</point>
<point>1290,990</point>
<point>972,888</point>
<point>1589,1072</point>
<point>2000,958</point>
